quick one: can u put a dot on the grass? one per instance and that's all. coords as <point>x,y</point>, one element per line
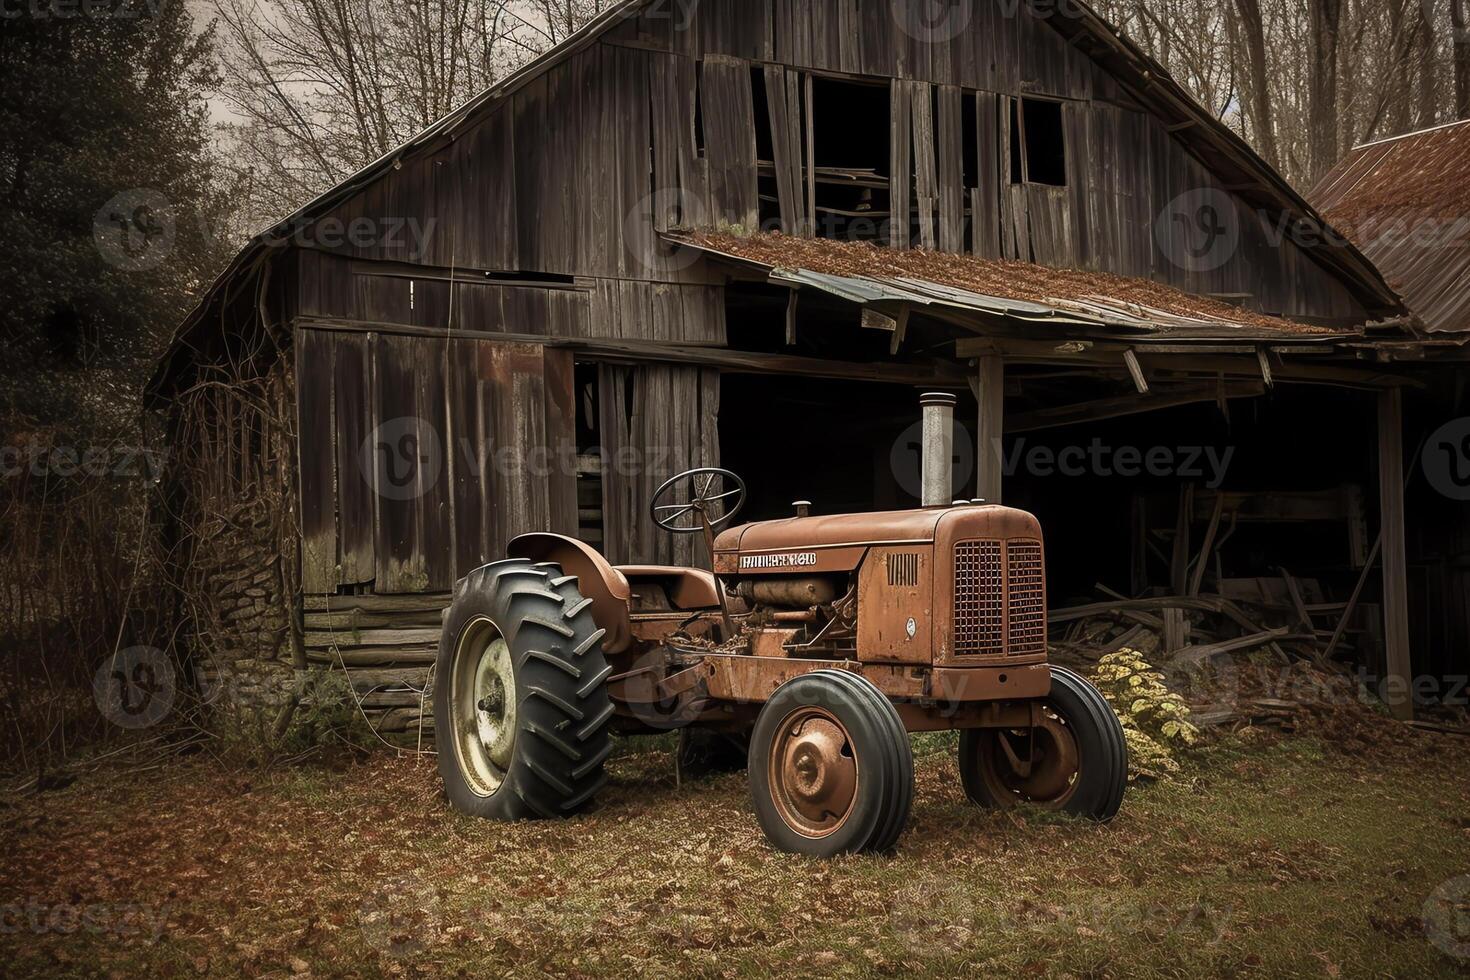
<point>1266,857</point>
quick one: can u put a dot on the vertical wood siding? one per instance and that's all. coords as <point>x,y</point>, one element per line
<point>422,457</point>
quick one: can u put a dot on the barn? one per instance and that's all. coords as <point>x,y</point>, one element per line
<point>750,233</point>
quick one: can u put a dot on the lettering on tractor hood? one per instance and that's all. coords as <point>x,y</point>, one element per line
<point>797,560</point>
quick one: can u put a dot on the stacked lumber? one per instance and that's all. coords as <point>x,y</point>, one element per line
<point>386,645</point>
<point>1281,627</point>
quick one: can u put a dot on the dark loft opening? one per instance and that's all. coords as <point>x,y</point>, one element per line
<point>850,139</point>
<point>863,435</point>
<point>698,117</point>
<point>1046,147</point>
<point>1018,159</point>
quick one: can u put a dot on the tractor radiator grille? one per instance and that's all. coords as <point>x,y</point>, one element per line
<point>1026,599</point>
<point>979,627</point>
<point>999,599</point>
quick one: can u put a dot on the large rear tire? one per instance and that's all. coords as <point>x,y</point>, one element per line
<point>1078,758</point>
<point>521,709</point>
<point>831,769</point>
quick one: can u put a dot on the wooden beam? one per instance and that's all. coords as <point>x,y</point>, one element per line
<point>1179,561</point>
<point>1117,407</point>
<point>990,427</point>
<point>936,374</point>
<point>1203,562</point>
<point>1102,354</point>
<point>1352,603</point>
<point>900,330</point>
<point>1398,679</point>
<point>1135,370</point>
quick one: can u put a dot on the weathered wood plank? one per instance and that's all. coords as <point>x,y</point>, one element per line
<point>729,120</point>
<point>401,448</point>
<point>316,460</point>
<point>355,486</point>
<point>926,183</point>
<point>900,167</point>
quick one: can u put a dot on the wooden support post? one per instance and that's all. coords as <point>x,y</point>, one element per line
<point>1179,561</point>
<point>989,454</point>
<point>1398,679</point>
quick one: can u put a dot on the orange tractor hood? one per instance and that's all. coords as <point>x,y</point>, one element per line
<point>838,542</point>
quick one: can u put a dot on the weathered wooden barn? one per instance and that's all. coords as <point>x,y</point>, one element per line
<point>749,232</point>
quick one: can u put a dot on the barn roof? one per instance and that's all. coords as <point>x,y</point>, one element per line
<point>1144,78</point>
<point>873,275</point>
<point>1405,202</point>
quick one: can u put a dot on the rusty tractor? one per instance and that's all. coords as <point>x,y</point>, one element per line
<point>816,643</point>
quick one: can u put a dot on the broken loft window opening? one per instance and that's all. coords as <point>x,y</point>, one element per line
<point>851,130</point>
<point>1045,140</point>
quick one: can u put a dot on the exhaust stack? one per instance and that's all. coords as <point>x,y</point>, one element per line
<point>938,450</point>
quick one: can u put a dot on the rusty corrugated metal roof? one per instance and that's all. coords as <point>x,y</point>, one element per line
<point>1405,202</point>
<point>869,274</point>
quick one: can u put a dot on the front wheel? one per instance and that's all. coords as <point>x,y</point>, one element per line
<point>521,708</point>
<point>1076,760</point>
<point>831,770</point>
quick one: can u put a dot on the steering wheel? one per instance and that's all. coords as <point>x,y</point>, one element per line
<point>702,503</point>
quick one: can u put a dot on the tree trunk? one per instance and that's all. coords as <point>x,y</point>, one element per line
<point>1462,58</point>
<point>1429,91</point>
<point>1258,93</point>
<point>1326,23</point>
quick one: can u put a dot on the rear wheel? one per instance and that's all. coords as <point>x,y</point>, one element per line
<point>831,771</point>
<point>521,709</point>
<point>1076,760</point>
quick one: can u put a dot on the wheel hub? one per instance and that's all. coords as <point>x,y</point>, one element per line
<point>1039,764</point>
<point>483,706</point>
<point>813,772</point>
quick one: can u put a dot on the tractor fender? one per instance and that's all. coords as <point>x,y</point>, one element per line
<point>597,580</point>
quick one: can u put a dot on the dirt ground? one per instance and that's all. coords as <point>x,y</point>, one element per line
<point>1267,856</point>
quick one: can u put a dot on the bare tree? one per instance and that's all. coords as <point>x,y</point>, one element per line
<point>1251,41</point>
<point>1460,27</point>
<point>1311,78</point>
<point>323,87</point>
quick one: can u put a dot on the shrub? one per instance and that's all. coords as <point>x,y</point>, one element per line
<point>1155,719</point>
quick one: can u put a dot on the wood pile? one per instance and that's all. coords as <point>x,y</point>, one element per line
<point>1229,653</point>
<point>386,645</point>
